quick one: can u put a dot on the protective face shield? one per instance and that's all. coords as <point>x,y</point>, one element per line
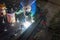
<point>27,8</point>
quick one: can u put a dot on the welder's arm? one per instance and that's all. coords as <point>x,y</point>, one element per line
<point>31,14</point>
<point>19,12</point>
